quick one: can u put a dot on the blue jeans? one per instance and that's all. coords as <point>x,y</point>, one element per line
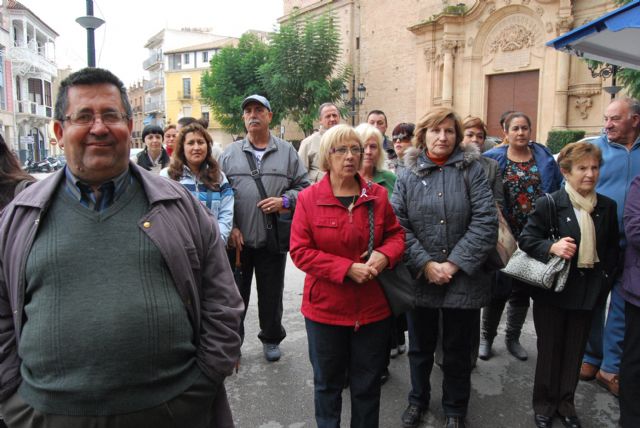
<point>334,350</point>
<point>459,328</point>
<point>604,348</point>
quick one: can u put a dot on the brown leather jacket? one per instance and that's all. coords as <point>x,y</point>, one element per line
<point>189,241</point>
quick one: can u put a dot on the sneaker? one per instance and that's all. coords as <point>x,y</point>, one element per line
<point>394,352</point>
<point>454,422</point>
<point>411,416</point>
<point>385,376</point>
<point>271,351</point>
<point>402,349</point>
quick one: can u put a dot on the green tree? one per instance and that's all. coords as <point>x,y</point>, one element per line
<point>303,70</point>
<point>232,77</point>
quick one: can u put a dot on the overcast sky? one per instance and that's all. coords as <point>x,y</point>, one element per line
<point>129,24</point>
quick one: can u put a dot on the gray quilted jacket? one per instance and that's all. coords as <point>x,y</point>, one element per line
<point>448,213</point>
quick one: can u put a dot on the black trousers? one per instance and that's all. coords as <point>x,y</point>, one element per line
<point>562,338</point>
<point>630,369</point>
<point>459,327</point>
<point>269,269</point>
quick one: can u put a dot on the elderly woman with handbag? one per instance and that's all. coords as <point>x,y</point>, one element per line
<point>587,224</point>
<point>347,316</point>
<point>443,201</point>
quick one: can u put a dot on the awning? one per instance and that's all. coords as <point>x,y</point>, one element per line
<point>613,38</point>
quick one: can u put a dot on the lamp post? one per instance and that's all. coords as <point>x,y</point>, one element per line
<point>605,71</point>
<point>357,97</point>
<point>90,22</point>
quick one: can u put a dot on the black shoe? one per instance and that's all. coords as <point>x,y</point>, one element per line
<point>570,421</point>
<point>515,348</point>
<point>484,351</point>
<point>543,421</point>
<point>454,422</point>
<point>385,376</point>
<point>411,416</point>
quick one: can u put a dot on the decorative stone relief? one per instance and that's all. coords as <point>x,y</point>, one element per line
<point>512,38</point>
<point>429,56</point>
<point>526,2</point>
<point>563,24</point>
<point>549,27</point>
<point>449,46</point>
<point>583,94</point>
<point>539,10</point>
<point>512,41</point>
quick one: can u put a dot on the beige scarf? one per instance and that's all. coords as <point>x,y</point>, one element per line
<point>587,254</point>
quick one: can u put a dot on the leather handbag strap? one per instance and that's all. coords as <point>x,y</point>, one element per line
<point>554,229</point>
<point>255,174</point>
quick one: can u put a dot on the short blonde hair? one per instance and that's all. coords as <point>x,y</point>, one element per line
<point>333,137</point>
<point>366,132</point>
<point>433,118</point>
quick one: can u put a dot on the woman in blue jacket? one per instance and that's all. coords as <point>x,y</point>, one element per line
<point>193,165</point>
<point>528,171</point>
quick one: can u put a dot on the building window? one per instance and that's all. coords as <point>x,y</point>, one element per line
<point>186,111</point>
<point>205,57</point>
<point>174,62</point>
<point>186,58</point>
<point>186,87</point>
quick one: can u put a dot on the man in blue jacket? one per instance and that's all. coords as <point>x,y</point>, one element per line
<point>620,147</point>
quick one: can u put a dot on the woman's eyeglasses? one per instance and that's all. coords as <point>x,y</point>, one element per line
<point>341,151</point>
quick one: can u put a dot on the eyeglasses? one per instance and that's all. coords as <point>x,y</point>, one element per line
<point>88,118</point>
<point>341,151</point>
<point>400,137</point>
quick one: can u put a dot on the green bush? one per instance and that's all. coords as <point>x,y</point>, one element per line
<point>558,139</point>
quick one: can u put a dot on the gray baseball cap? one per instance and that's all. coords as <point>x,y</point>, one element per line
<point>257,99</point>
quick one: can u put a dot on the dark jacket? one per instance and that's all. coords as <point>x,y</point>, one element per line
<point>326,239</point>
<point>144,161</point>
<point>494,178</point>
<point>549,171</point>
<point>186,235</point>
<point>585,287</point>
<point>631,273</point>
<point>444,219</point>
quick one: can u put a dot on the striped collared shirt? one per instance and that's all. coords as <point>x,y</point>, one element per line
<point>107,194</point>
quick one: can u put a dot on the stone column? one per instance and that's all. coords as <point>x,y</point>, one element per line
<point>448,47</point>
<point>561,105</point>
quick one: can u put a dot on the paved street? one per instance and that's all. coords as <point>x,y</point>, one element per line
<point>280,395</point>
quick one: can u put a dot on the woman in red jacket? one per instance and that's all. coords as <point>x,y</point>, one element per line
<point>346,313</point>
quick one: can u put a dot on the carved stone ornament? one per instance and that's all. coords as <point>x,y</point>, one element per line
<point>512,38</point>
<point>448,46</point>
<point>525,2</point>
<point>563,24</point>
<point>583,104</point>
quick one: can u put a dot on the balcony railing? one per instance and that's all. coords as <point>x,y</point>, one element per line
<point>153,107</point>
<point>27,59</point>
<point>182,95</point>
<point>29,107</point>
<point>151,85</point>
<point>153,59</point>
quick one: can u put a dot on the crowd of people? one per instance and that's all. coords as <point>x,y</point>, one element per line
<point>125,284</point>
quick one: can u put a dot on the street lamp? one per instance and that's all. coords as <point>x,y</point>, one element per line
<point>356,99</point>
<point>90,22</point>
<point>605,71</point>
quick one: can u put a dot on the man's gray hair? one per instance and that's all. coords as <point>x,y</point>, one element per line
<point>325,105</point>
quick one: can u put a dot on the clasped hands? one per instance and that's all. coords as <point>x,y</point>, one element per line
<point>363,272</point>
<point>564,248</point>
<point>440,273</point>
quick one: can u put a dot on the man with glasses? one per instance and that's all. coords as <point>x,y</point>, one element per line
<point>275,162</point>
<point>620,145</point>
<point>310,146</point>
<point>117,303</point>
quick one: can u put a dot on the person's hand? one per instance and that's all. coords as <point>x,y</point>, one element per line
<point>437,273</point>
<point>450,268</point>
<point>236,240</point>
<point>377,260</point>
<point>564,247</point>
<point>361,272</point>
<point>270,205</point>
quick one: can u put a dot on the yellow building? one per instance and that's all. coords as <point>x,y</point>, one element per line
<point>182,84</point>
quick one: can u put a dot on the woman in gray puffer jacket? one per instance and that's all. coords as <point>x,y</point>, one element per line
<point>443,201</point>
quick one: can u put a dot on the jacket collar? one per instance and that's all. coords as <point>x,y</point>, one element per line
<point>417,161</point>
<point>39,194</point>
<point>326,196</point>
<point>271,145</point>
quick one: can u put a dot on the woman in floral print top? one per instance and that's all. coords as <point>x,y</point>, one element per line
<point>528,171</point>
